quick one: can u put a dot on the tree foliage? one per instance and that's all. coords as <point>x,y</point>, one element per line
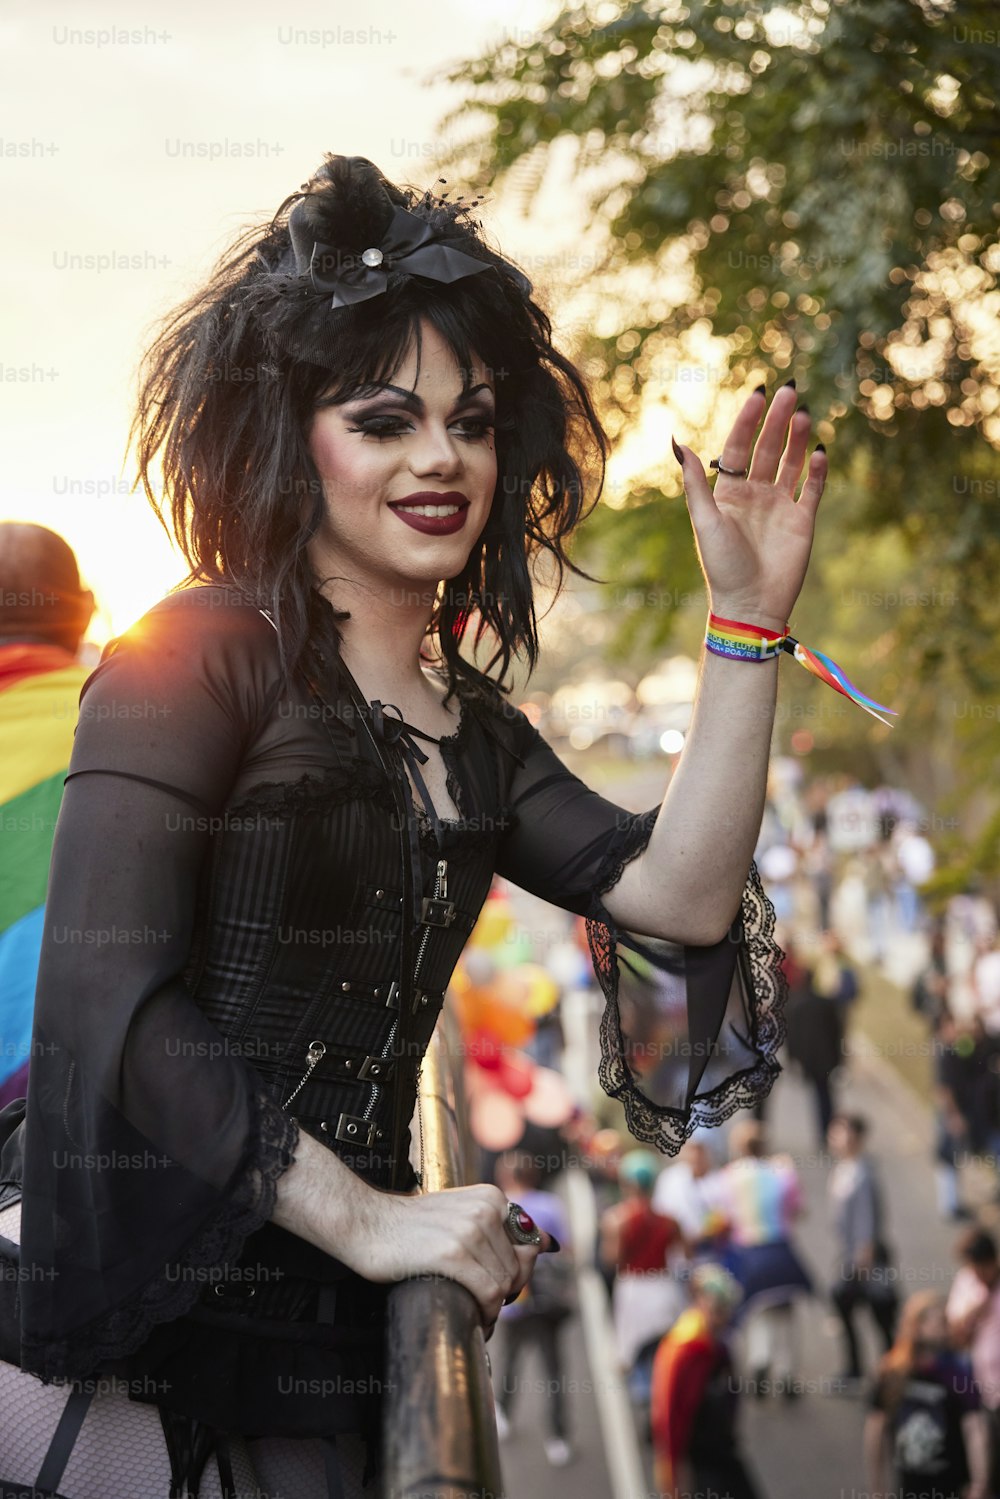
<point>828,172</point>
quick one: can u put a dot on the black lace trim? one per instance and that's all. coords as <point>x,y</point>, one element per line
<point>451,746</point>
<point>361,780</point>
<point>465,838</point>
<point>312,792</point>
<point>274,1136</point>
<point>632,841</point>
<point>659,1125</point>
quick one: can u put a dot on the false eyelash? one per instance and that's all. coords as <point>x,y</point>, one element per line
<point>370,426</point>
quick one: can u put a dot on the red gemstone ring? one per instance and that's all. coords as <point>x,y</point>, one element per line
<point>521,1228</point>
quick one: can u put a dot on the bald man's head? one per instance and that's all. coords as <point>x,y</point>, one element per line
<point>40,594</point>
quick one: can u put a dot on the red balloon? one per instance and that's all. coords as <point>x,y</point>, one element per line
<point>515,1076</point>
<point>482,1047</point>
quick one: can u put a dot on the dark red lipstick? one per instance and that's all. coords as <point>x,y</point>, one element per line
<point>415,511</point>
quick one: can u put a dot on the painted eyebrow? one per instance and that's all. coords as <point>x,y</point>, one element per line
<point>414,402</point>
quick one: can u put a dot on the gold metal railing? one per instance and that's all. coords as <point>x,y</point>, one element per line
<point>439,1438</point>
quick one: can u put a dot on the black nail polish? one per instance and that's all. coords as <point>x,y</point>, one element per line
<point>553,1247</point>
<point>820,448</point>
<point>677,452</point>
<point>788,385</point>
<point>761,390</point>
<point>803,407</point>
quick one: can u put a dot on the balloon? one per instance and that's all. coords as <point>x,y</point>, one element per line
<point>481,1009</point>
<point>515,948</point>
<point>474,1080</point>
<point>504,1020</point>
<point>495,1120</point>
<point>514,1075</point>
<point>550,1103</point>
<point>481,1047</point>
<point>468,1003</point>
<point>542,990</point>
<point>510,988</point>
<point>479,966</point>
<point>495,923</point>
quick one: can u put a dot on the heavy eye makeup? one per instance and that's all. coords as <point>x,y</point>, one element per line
<point>476,420</point>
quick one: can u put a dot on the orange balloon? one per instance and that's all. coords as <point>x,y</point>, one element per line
<point>467,1003</point>
<point>503,1020</point>
<point>486,1007</point>
<point>512,987</point>
<point>460,982</point>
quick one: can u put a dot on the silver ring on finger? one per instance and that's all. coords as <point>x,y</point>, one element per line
<point>732,473</point>
<point>520,1227</point>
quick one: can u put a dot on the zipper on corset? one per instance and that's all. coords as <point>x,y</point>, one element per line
<point>316,1050</point>
<point>440,893</point>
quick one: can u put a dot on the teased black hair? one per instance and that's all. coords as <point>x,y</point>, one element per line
<point>230,384</point>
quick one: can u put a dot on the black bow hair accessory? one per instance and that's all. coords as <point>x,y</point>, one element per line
<point>351,237</point>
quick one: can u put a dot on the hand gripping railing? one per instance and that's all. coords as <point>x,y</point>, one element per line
<point>439,1437</point>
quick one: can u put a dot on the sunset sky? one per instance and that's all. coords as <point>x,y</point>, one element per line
<point>143,137</point>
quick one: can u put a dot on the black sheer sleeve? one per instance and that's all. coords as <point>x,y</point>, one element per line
<point>689,1034</point>
<point>150,1150</point>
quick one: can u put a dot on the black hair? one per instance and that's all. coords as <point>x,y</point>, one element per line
<point>856,1123</point>
<point>230,384</point>
<point>978,1247</point>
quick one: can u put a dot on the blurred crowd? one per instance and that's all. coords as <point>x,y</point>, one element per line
<point>708,1290</point>
<point>847,870</point>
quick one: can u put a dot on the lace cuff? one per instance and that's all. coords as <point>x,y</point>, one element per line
<point>274,1136</point>
<point>689,1034</point>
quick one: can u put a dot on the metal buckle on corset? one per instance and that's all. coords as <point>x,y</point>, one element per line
<point>354,1068</point>
<point>357,1131</point>
<point>436,911</point>
<point>390,992</point>
<point>369,993</point>
<point>423,997</point>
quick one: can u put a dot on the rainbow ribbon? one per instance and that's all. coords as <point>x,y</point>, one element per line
<point>829,672</point>
<point>743,642</point>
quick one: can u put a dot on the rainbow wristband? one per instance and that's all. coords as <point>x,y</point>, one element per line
<point>729,637</point>
<point>742,642</point>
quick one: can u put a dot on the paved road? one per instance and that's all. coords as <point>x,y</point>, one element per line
<point>812,1447</point>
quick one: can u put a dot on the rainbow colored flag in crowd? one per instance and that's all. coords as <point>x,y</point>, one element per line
<point>39,704</point>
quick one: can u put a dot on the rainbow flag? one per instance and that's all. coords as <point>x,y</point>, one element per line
<point>39,704</point>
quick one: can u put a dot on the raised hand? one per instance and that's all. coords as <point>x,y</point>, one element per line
<point>753,536</point>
